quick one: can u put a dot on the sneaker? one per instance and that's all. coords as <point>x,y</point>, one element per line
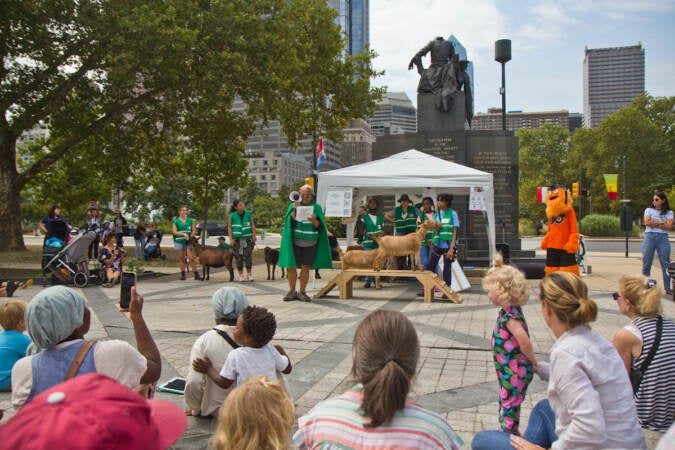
<point>241,278</point>
<point>249,277</point>
<point>11,287</point>
<point>303,297</point>
<point>292,295</point>
<point>27,283</point>
<point>182,275</point>
<point>107,285</point>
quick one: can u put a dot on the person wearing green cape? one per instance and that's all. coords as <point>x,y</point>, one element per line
<point>304,244</point>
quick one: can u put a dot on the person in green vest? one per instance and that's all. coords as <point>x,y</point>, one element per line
<point>404,217</point>
<point>445,237</point>
<point>241,231</point>
<point>222,243</point>
<point>370,225</point>
<point>183,227</point>
<point>304,243</point>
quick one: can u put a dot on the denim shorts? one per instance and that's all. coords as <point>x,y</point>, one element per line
<point>180,246</point>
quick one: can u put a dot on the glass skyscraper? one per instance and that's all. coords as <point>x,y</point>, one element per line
<point>353,17</point>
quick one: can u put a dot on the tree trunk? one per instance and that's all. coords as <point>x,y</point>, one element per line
<point>11,237</point>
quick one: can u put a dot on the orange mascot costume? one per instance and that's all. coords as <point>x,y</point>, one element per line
<point>562,240</point>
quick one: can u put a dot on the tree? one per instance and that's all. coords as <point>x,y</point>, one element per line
<point>136,84</point>
<point>643,133</point>
<point>543,154</point>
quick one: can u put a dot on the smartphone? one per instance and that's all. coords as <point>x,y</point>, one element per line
<point>128,281</point>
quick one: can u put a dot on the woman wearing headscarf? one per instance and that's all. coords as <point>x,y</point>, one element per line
<point>203,397</point>
<point>57,320</point>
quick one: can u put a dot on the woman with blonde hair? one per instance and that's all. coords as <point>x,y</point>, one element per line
<point>654,393</point>
<point>257,415</point>
<point>590,400</point>
<point>377,412</point>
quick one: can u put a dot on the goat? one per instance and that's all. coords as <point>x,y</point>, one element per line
<point>209,256</point>
<point>357,259</point>
<point>408,245</point>
<point>271,260</point>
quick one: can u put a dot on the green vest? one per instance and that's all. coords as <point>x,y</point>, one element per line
<point>446,231</point>
<point>225,246</point>
<point>182,228</point>
<point>241,229</point>
<point>430,234</point>
<point>304,229</point>
<point>371,228</point>
<point>407,225</point>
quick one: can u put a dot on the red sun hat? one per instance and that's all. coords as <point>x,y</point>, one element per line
<point>93,411</point>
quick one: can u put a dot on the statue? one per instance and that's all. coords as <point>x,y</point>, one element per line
<point>445,77</point>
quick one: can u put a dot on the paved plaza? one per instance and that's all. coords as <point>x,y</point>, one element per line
<point>456,376</point>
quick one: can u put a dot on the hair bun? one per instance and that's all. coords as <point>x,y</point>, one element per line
<point>499,260</point>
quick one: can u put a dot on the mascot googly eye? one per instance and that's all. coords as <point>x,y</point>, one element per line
<point>562,240</point>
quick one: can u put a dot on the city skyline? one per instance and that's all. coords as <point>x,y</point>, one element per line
<point>548,41</point>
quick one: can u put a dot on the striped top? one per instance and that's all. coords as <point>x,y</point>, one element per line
<point>337,423</point>
<point>655,399</point>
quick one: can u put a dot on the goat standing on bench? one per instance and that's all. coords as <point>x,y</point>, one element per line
<point>408,245</point>
<point>210,256</point>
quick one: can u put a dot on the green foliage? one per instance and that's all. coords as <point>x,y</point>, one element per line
<point>604,225</point>
<point>133,265</point>
<point>134,89</point>
<point>543,156</point>
<point>335,226</point>
<point>644,133</point>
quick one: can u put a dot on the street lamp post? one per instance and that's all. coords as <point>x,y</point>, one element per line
<point>503,55</point>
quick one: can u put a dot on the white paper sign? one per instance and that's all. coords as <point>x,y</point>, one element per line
<point>477,200</point>
<point>339,202</point>
<point>303,212</point>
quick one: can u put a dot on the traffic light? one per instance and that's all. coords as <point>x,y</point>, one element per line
<point>575,190</point>
<point>310,182</point>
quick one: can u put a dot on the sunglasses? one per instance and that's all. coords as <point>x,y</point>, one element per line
<point>615,296</point>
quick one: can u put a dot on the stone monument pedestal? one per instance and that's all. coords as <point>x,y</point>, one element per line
<point>430,118</point>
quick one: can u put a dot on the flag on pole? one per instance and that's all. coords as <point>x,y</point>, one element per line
<point>612,185</point>
<point>541,194</point>
<point>320,153</point>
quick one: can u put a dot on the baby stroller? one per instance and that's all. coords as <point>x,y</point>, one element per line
<point>55,240</point>
<point>153,249</point>
<point>69,264</point>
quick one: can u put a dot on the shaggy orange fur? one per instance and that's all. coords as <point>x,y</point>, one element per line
<point>408,245</point>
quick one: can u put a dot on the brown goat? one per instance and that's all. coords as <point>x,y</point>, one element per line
<point>408,245</point>
<point>357,259</point>
<point>210,256</point>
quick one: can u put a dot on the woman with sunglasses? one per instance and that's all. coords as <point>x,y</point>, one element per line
<point>590,400</point>
<point>658,220</point>
<point>655,394</point>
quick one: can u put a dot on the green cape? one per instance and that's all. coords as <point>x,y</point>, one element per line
<point>286,255</point>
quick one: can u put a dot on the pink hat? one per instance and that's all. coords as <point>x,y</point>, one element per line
<point>93,411</point>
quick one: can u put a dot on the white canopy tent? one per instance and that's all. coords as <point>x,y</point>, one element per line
<point>410,172</point>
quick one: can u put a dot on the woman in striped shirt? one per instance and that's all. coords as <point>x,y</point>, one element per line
<point>377,413</point>
<point>655,396</point>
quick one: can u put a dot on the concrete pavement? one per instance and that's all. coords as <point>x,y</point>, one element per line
<point>456,377</point>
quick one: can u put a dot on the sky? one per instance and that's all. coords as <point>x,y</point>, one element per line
<point>547,44</point>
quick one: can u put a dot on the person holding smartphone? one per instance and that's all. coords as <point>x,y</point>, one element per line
<point>112,260</point>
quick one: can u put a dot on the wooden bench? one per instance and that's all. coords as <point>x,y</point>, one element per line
<point>345,282</point>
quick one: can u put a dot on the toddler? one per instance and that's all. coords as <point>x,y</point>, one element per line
<point>13,343</point>
<point>257,414</point>
<point>511,346</point>
<point>254,330</point>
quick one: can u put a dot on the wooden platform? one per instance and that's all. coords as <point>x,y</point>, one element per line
<point>345,282</point>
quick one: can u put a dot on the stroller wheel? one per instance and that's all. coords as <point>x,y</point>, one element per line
<point>81,279</point>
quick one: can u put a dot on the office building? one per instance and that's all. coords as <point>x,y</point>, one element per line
<point>353,17</point>
<point>612,78</point>
<point>460,50</point>
<point>492,120</point>
<point>394,114</point>
<point>357,146</point>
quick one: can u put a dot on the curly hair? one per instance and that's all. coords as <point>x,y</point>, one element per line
<point>259,323</point>
<point>509,282</point>
<point>256,415</point>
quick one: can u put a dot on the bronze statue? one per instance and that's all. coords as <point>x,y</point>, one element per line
<point>445,77</point>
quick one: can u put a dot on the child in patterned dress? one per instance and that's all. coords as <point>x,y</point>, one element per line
<point>512,349</point>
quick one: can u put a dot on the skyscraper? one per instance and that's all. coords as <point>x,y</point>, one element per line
<point>394,114</point>
<point>612,78</point>
<point>353,17</point>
